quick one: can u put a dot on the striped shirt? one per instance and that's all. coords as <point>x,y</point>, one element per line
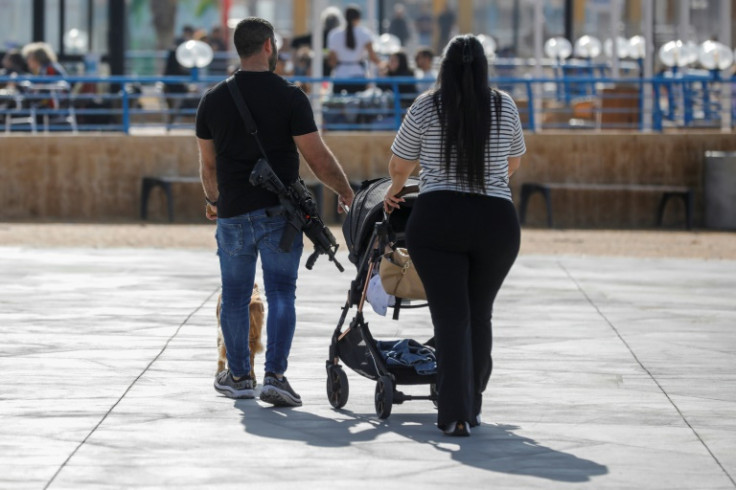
<point>420,138</point>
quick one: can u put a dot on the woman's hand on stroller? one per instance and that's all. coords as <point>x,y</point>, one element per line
<point>391,201</point>
<point>399,170</point>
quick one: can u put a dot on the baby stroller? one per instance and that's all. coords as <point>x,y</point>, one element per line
<point>368,230</point>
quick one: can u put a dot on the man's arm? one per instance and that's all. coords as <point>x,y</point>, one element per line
<point>208,175</point>
<point>325,166</point>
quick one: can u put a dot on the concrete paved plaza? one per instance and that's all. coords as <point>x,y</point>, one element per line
<point>609,373</point>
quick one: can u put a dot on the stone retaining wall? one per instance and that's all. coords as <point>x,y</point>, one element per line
<point>98,177</point>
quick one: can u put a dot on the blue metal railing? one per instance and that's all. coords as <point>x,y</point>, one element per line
<point>125,103</point>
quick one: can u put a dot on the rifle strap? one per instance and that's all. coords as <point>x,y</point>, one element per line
<point>250,123</point>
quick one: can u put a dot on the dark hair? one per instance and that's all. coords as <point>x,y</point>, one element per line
<point>17,61</point>
<point>352,13</point>
<point>331,21</point>
<point>250,34</point>
<point>403,68</point>
<point>425,52</point>
<point>463,99</point>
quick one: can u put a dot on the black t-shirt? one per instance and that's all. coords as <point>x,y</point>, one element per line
<point>281,110</point>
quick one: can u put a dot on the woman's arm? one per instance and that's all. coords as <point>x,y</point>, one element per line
<point>372,54</point>
<point>332,59</point>
<point>514,164</point>
<point>399,170</point>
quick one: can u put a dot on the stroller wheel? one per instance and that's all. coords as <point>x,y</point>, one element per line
<point>433,394</point>
<point>384,396</point>
<point>337,386</point>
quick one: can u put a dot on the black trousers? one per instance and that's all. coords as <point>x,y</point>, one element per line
<point>463,246</point>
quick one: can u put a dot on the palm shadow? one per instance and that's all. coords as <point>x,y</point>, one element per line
<point>492,447</point>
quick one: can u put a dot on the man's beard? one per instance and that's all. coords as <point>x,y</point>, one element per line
<point>274,57</point>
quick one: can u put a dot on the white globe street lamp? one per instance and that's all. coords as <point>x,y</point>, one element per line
<point>715,56</point>
<point>587,47</point>
<point>558,48</point>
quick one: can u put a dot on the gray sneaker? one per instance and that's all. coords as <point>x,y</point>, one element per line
<point>226,384</point>
<point>278,392</point>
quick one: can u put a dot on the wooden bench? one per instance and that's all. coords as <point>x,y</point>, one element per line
<point>164,182</point>
<point>667,191</point>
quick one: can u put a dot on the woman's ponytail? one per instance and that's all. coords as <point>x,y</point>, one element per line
<point>352,13</point>
<point>463,103</point>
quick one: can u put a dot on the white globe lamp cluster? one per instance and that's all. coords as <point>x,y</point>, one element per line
<point>589,47</point>
<point>711,55</point>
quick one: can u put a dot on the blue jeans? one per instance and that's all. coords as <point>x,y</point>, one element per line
<point>239,242</point>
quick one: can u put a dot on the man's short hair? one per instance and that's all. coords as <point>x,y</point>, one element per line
<point>250,34</point>
<point>425,52</point>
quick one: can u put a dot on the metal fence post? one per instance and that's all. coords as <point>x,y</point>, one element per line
<point>126,109</point>
<point>397,105</point>
<point>531,107</point>
<point>656,117</point>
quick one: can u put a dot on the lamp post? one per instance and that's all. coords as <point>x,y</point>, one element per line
<point>647,62</point>
<point>587,48</point>
<point>194,55</point>
<point>714,56</point>
<point>637,50</point>
<point>318,47</point>
<point>615,14</point>
<point>675,55</point>
<point>536,107</point>
<point>559,49</point>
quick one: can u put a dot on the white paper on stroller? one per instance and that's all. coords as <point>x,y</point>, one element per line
<point>379,299</point>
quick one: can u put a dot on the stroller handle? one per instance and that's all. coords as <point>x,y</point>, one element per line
<point>408,189</point>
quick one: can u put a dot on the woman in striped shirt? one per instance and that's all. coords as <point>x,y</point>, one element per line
<point>463,234</point>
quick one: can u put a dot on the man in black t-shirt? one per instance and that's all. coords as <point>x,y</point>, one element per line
<point>248,220</point>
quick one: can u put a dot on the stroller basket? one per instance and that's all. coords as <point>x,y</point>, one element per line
<point>354,349</point>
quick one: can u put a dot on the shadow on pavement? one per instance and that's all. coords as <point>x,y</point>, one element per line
<point>491,447</point>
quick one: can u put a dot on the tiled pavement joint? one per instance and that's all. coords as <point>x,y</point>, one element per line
<point>649,373</point>
<point>102,420</point>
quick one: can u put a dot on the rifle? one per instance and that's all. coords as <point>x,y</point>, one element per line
<point>301,213</point>
<point>299,206</point>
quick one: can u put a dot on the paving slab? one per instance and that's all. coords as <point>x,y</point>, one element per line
<point>609,373</point>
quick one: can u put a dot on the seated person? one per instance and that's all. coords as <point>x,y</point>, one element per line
<point>425,60</point>
<point>13,64</point>
<point>398,66</point>
<point>42,61</point>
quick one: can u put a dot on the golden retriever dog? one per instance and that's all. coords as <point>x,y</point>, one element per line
<point>257,316</point>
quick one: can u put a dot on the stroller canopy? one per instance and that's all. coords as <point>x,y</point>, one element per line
<point>367,210</point>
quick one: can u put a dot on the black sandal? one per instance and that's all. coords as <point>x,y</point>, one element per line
<point>457,429</point>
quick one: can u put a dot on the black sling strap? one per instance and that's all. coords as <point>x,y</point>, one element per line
<point>250,123</point>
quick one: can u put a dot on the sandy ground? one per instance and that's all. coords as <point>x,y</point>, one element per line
<point>710,245</point>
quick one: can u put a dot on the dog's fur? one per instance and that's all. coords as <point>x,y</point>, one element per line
<point>257,316</point>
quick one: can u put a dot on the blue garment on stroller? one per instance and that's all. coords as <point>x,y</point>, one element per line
<point>408,353</point>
